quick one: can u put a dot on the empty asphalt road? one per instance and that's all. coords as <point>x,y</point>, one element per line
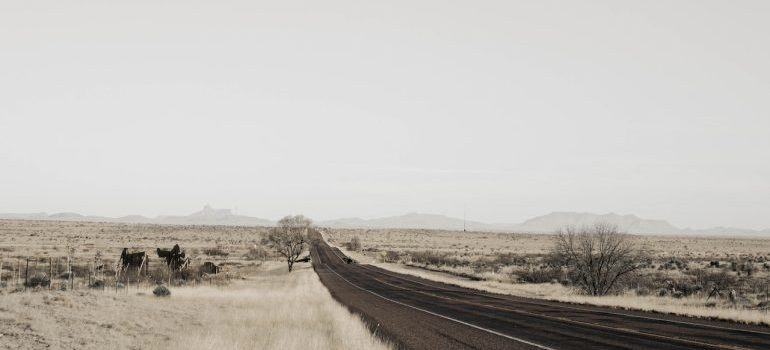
<point>419,314</point>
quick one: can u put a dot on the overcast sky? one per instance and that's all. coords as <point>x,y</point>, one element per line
<point>376,108</point>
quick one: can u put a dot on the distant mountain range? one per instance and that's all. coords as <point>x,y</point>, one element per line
<point>541,224</point>
<point>206,216</point>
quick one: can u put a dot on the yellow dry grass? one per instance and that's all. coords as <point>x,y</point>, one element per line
<point>274,310</point>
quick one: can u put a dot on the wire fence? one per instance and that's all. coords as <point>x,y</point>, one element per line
<point>68,273</point>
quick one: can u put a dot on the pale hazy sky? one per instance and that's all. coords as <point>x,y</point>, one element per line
<point>377,108</point>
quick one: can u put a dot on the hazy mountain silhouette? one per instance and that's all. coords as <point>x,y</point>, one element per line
<point>411,220</point>
<point>206,216</point>
<point>542,224</point>
<point>628,223</point>
<point>211,216</point>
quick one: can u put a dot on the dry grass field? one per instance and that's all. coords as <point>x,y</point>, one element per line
<point>671,282</point>
<point>475,244</point>
<point>256,304</point>
<point>273,310</point>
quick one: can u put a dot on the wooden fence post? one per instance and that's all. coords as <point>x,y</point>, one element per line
<point>26,275</point>
<point>50,273</point>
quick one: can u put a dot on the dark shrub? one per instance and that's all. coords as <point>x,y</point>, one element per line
<point>430,257</point>
<point>97,284</point>
<point>354,244</point>
<point>39,279</point>
<point>161,291</point>
<point>391,256</point>
<point>539,275</point>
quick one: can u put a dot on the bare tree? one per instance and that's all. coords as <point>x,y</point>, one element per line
<point>597,256</point>
<point>718,282</point>
<point>289,237</point>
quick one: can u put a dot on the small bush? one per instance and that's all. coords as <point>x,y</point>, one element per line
<point>161,291</point>
<point>674,264</point>
<point>391,256</point>
<point>354,244</point>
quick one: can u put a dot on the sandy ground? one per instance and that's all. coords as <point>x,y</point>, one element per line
<point>88,320</point>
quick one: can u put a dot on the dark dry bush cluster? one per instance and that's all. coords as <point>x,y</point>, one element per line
<point>429,257</point>
<point>39,279</point>
<point>508,259</point>
<point>531,269</point>
<point>674,264</point>
<point>673,277</point>
<point>215,251</point>
<point>391,256</point>
<point>709,282</point>
<point>161,291</point>
<point>354,244</point>
<point>541,274</point>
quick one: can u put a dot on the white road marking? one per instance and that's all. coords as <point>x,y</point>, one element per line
<point>439,315</point>
<point>576,308</point>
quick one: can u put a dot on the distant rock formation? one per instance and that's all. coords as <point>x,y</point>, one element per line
<point>206,216</point>
<point>542,224</point>
<point>627,223</point>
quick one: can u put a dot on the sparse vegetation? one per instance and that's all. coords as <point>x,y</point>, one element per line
<point>235,308</point>
<point>684,275</point>
<point>257,252</point>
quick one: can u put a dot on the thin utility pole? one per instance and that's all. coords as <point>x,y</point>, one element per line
<point>464,211</point>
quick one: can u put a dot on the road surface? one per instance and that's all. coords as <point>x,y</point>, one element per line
<point>416,313</point>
